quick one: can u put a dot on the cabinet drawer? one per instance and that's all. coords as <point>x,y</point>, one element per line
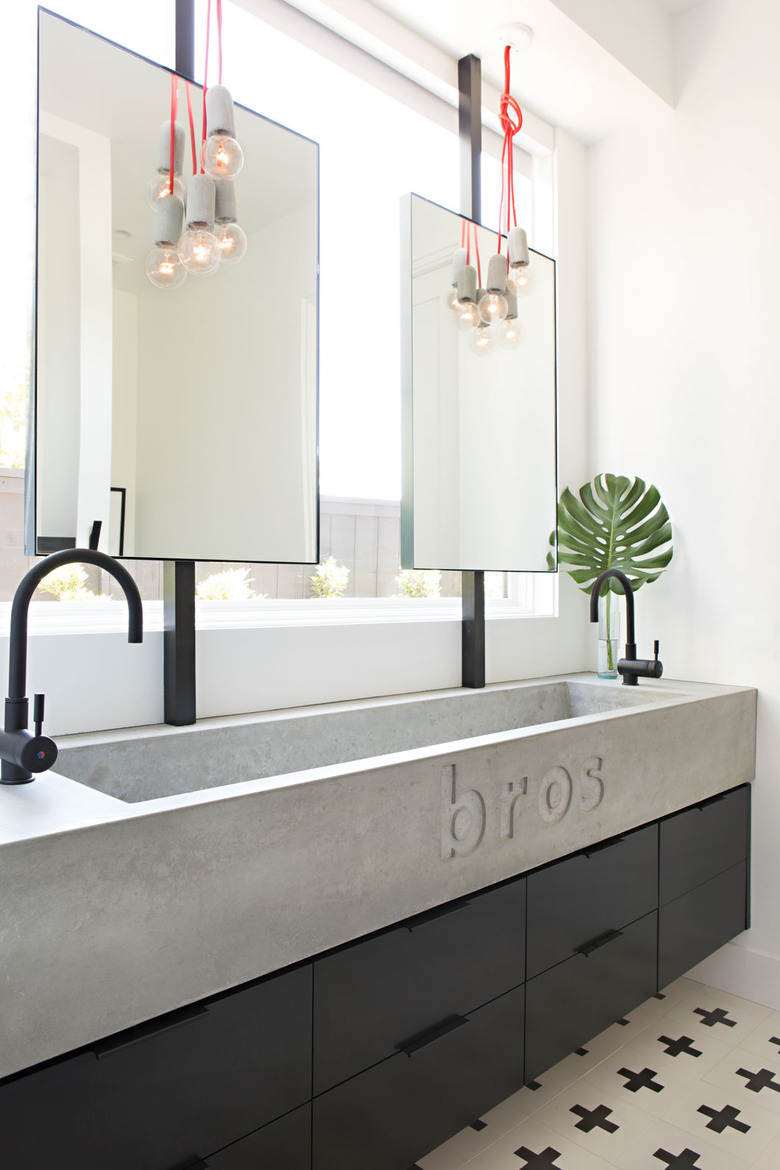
<point>703,841</point>
<point>369,998</point>
<point>697,923</point>
<point>161,1095</point>
<point>285,1144</point>
<point>396,1112</point>
<point>578,899</point>
<point>574,1001</point>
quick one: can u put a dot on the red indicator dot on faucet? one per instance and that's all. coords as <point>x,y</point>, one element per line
<point>41,755</point>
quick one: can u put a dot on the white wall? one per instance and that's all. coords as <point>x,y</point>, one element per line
<point>685,367</point>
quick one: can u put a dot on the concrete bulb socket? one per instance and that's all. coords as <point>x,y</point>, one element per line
<point>497,270</point>
<point>168,221</point>
<point>220,115</point>
<point>164,148</point>
<point>467,283</point>
<point>201,201</point>
<point>225,205</point>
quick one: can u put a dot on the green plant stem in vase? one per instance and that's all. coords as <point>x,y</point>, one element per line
<point>609,634</point>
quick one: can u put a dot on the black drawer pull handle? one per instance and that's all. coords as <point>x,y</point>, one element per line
<point>595,943</point>
<point>437,912</point>
<point>148,1030</point>
<point>602,845</point>
<point>426,1038</point>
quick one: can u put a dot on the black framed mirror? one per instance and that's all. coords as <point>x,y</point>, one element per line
<point>479,427</point>
<point>182,421</point>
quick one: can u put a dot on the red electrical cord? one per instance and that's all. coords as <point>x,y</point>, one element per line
<point>206,64</point>
<point>205,83</point>
<point>192,130</point>
<point>219,38</point>
<point>476,252</point>
<point>508,107</point>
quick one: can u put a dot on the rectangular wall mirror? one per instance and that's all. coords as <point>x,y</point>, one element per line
<point>184,420</point>
<point>480,467</point>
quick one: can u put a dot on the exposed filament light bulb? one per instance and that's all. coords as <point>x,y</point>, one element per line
<point>199,248</point>
<point>223,157</point>
<point>163,264</point>
<point>481,340</point>
<point>232,241</point>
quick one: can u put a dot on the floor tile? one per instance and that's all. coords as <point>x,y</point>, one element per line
<point>545,1150</point>
<point>663,1138</point>
<point>676,992</point>
<point>727,1017</point>
<point>529,1101</point>
<point>716,1117</point>
<point>641,1084</point>
<point>668,1045</point>
<point>748,1079</point>
<point>459,1149</point>
<point>764,1040</point>
<point>594,1119</point>
<point>770,1158</point>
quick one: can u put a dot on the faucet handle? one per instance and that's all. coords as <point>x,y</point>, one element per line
<point>656,645</point>
<point>38,702</point>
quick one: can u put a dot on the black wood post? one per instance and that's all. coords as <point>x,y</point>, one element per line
<point>179,576</point>
<point>185,38</point>
<point>179,642</point>
<point>470,135</point>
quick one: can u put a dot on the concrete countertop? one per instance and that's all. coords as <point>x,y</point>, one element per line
<point>117,912</point>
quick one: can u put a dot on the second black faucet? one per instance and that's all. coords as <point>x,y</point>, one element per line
<point>631,668</point>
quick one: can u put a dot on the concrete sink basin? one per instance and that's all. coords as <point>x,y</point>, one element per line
<point>143,764</point>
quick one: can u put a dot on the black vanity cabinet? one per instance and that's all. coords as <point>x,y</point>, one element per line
<point>704,887</point>
<point>417,1030</point>
<point>166,1094</point>
<point>592,944</point>
<point>373,1054</point>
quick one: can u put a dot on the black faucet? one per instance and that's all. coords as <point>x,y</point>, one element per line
<point>630,667</point>
<point>21,752</point>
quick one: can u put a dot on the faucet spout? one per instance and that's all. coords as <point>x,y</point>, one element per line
<point>627,589</point>
<point>21,752</point>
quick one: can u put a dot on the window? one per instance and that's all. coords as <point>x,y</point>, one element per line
<point>375,147</point>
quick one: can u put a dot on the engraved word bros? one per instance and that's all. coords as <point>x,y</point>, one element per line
<point>464,817</point>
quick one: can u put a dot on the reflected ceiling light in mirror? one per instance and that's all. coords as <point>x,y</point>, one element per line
<point>167,178</point>
<point>199,248</point>
<point>490,313</point>
<point>212,233</point>
<point>223,157</point>
<point>163,264</point>
<point>231,237</point>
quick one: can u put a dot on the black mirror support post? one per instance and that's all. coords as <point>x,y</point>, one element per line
<point>179,576</point>
<point>470,135</point>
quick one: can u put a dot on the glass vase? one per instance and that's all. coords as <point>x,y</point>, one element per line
<point>609,634</point>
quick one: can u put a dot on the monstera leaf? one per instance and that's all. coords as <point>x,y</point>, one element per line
<point>617,523</point>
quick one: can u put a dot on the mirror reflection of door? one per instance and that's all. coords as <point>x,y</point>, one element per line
<point>480,477</point>
<point>199,402</point>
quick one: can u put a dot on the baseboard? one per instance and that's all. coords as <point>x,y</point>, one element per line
<point>740,971</point>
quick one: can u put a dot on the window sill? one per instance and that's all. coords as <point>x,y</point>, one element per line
<point>100,617</point>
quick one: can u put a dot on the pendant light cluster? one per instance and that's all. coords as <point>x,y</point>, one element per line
<point>208,234</point>
<point>489,314</point>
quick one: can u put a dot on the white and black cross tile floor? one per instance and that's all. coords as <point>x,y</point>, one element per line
<point>688,1081</point>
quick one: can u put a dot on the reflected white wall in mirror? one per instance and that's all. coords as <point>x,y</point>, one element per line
<point>480,478</point>
<point>201,401</point>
